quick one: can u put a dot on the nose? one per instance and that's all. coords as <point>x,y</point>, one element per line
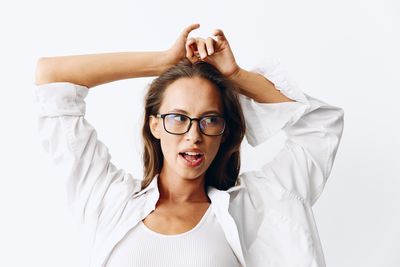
<point>194,132</point>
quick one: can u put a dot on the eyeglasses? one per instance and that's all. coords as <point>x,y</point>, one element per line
<point>175,123</point>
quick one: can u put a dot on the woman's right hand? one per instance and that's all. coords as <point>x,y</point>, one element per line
<point>178,51</point>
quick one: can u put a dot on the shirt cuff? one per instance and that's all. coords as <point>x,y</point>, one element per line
<point>60,98</point>
<point>264,120</point>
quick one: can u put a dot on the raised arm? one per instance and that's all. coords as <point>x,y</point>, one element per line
<point>95,69</point>
<point>93,183</point>
<point>313,129</point>
<point>272,102</point>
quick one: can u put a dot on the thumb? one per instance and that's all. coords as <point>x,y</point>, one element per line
<point>188,29</point>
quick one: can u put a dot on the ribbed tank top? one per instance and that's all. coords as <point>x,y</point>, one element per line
<point>204,245</point>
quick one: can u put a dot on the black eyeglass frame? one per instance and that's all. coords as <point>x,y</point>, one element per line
<point>158,115</point>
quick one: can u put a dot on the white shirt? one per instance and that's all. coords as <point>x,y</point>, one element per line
<point>267,217</point>
<point>203,246</point>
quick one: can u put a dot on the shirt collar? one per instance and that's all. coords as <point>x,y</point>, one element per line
<point>153,185</point>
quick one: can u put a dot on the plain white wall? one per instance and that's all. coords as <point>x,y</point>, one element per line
<point>342,52</point>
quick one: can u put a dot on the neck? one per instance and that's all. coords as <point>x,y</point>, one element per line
<point>177,189</point>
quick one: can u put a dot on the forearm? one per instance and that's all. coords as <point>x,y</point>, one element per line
<point>257,87</point>
<point>95,69</point>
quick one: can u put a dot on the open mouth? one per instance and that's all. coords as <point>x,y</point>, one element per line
<point>192,160</point>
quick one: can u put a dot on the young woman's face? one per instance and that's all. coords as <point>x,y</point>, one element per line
<point>193,97</point>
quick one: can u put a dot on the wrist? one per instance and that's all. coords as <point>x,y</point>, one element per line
<point>236,74</point>
<point>163,62</point>
<point>167,59</point>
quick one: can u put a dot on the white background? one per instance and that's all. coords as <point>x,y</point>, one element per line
<point>345,53</point>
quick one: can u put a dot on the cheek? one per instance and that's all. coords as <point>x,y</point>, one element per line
<point>213,148</point>
<point>169,146</point>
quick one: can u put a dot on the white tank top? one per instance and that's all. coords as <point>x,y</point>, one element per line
<point>204,245</point>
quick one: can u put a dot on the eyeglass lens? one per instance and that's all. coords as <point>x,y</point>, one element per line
<point>179,124</point>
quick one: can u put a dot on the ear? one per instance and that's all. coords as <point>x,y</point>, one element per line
<point>154,126</point>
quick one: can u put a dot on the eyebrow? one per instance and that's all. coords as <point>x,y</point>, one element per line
<point>216,112</point>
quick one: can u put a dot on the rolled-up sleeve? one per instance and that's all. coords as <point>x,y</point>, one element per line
<point>313,129</point>
<point>83,161</point>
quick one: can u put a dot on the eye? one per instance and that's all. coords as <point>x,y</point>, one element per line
<point>212,120</point>
<point>179,118</point>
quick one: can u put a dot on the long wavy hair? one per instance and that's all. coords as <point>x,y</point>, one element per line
<point>224,170</point>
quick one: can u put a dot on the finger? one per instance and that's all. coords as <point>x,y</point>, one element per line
<point>194,60</point>
<point>190,47</point>
<point>188,29</point>
<point>219,34</point>
<point>210,45</point>
<point>191,50</point>
<point>192,54</point>
<point>201,47</point>
<point>190,41</point>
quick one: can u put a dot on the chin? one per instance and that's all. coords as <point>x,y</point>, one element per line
<point>191,174</point>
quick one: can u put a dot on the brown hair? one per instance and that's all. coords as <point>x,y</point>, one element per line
<point>224,170</point>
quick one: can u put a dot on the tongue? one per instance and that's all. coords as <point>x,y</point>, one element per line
<point>190,157</point>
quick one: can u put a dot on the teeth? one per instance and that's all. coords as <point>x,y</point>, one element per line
<point>192,153</point>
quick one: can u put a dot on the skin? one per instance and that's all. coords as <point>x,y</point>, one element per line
<point>196,96</point>
<point>182,200</point>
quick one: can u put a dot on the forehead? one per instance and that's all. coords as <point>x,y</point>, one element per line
<point>193,95</point>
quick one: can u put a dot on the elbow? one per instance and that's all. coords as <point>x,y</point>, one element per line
<point>335,126</point>
<point>336,123</point>
<point>44,71</point>
<point>341,121</point>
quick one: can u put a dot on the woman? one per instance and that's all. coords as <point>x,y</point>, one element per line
<point>192,207</point>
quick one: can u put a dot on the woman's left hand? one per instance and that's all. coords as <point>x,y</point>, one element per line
<point>214,51</point>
